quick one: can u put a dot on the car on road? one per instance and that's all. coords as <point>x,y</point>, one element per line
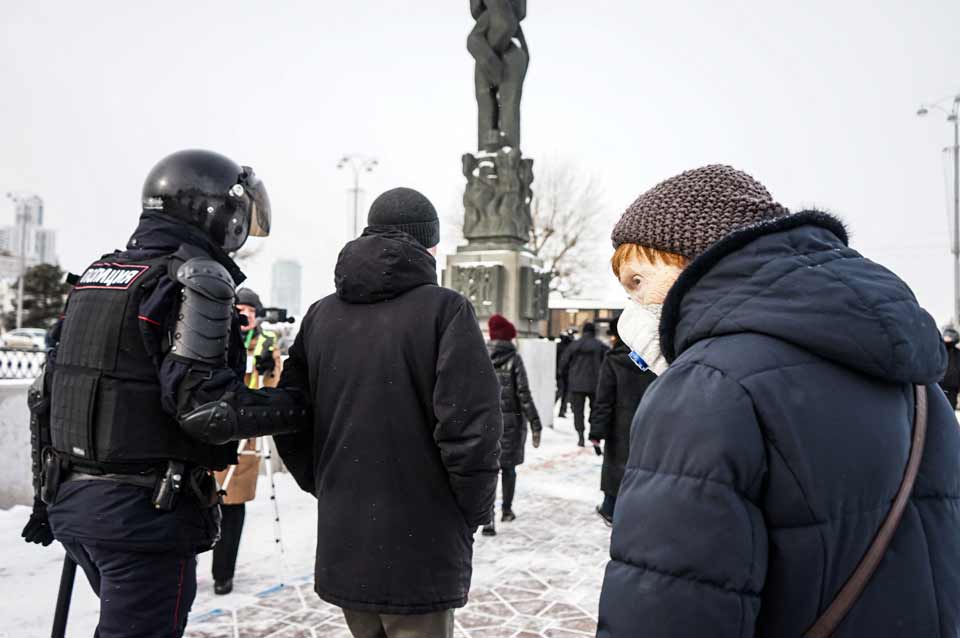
<point>24,339</point>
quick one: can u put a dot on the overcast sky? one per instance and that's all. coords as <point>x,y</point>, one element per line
<point>816,99</point>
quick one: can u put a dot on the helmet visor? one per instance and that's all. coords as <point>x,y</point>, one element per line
<point>259,203</point>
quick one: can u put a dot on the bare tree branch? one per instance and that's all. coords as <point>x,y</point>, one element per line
<point>566,209</point>
<point>567,224</point>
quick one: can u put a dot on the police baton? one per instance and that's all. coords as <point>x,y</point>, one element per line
<point>63,597</point>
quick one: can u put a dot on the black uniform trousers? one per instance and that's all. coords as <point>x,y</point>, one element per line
<point>142,595</point>
<point>578,401</point>
<point>225,551</point>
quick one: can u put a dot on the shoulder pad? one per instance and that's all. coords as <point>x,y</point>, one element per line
<point>208,278</point>
<point>184,253</point>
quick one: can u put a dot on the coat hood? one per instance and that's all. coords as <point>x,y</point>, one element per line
<point>795,279</point>
<point>382,264</point>
<point>500,352</point>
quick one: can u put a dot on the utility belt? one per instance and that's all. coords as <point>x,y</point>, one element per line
<point>167,485</point>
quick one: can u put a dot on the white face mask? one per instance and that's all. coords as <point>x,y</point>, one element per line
<point>639,328</point>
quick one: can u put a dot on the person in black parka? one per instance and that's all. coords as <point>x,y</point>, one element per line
<point>950,383</point>
<point>516,404</point>
<point>580,366</point>
<point>765,458</point>
<point>619,391</point>
<point>404,451</point>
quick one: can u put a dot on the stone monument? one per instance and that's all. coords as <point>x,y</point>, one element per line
<point>496,270</point>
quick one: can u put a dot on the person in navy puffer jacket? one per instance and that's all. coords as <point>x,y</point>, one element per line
<point>767,455</point>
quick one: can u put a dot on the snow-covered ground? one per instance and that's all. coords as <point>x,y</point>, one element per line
<point>540,574</point>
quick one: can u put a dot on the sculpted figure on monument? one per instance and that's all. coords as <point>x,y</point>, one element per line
<point>477,197</point>
<point>500,50</point>
<point>510,193</point>
<point>526,181</point>
<point>497,198</point>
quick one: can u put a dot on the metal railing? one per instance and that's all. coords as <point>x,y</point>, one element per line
<point>21,364</point>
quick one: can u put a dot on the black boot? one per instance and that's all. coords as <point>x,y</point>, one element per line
<point>222,587</point>
<point>580,441</point>
<point>489,529</point>
<point>508,516</point>
<point>607,519</point>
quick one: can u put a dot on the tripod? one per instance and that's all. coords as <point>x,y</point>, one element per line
<point>262,449</point>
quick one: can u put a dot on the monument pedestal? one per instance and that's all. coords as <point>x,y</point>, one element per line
<point>509,280</point>
<point>504,280</point>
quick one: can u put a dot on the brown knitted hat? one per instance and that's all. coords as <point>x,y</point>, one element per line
<point>689,212</point>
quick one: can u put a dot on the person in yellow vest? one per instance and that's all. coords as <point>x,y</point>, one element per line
<point>263,370</point>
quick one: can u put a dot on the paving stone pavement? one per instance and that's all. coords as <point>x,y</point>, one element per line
<point>538,578</point>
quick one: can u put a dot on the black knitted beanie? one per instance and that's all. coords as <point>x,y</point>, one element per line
<point>687,213</point>
<point>407,210</point>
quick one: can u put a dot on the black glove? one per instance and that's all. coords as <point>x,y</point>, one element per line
<point>37,529</point>
<point>536,438</point>
<point>265,363</point>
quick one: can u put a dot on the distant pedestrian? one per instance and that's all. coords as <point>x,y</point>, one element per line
<point>581,367</point>
<point>516,404</point>
<point>766,459</point>
<point>619,391</point>
<point>951,378</point>
<point>263,369</point>
<point>566,338</point>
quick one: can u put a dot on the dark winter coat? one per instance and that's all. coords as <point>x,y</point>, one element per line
<point>516,402</point>
<point>951,378</point>
<point>404,452</point>
<point>580,364</point>
<point>763,461</point>
<point>619,390</point>
<point>562,345</point>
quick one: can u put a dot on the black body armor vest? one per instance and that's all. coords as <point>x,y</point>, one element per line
<point>106,414</point>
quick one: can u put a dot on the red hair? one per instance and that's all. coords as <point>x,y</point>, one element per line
<point>626,252</point>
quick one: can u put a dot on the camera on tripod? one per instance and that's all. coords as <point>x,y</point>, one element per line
<point>275,315</point>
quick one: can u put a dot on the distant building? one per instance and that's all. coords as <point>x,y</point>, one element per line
<point>287,276</point>
<point>39,245</point>
<point>45,245</point>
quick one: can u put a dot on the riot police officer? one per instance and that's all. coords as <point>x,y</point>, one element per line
<point>148,333</point>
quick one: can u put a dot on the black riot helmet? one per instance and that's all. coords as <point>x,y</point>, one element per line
<point>210,192</point>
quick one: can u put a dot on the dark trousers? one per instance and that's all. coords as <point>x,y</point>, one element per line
<point>365,624</point>
<point>225,551</point>
<point>609,503</point>
<point>578,401</point>
<point>564,397</point>
<point>509,478</point>
<point>141,595</point>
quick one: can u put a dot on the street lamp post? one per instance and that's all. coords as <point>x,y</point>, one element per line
<point>359,164</point>
<point>953,116</point>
